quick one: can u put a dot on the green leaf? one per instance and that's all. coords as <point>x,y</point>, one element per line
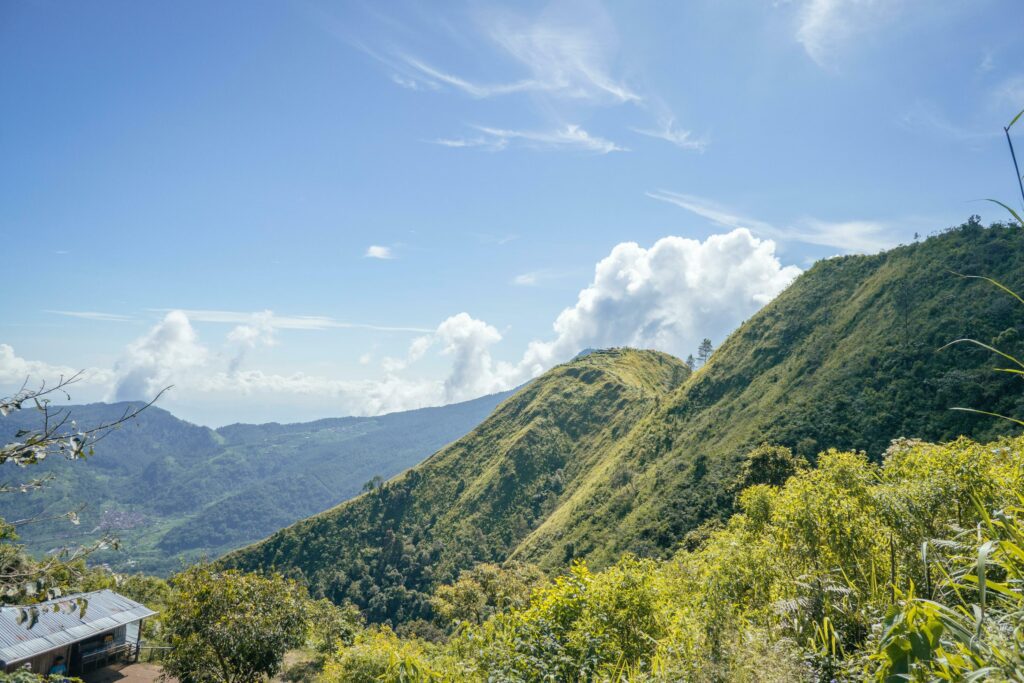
<point>986,347</point>
<point>1019,114</point>
<point>1008,208</point>
<point>984,412</point>
<point>991,281</point>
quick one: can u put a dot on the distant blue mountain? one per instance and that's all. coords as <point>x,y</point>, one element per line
<point>171,489</point>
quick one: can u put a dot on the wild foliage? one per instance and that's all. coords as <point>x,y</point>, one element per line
<point>229,627</point>
<point>627,451</point>
<point>849,571</point>
<point>483,591</point>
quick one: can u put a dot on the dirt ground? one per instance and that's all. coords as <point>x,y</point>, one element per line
<point>140,672</point>
<point>293,662</point>
<point>145,672</point>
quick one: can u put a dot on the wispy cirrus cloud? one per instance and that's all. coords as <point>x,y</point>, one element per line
<point>491,144</point>
<point>271,320</point>
<point>500,239</point>
<point>94,315</point>
<point>527,279</point>
<point>681,138</point>
<point>412,83</point>
<point>570,136</point>
<point>534,278</point>
<point>858,236</point>
<point>1001,100</point>
<point>435,76</point>
<point>566,55</point>
<point>716,213</point>
<point>825,27</point>
<point>925,116</point>
<point>1009,95</point>
<point>988,60</point>
<point>562,55</point>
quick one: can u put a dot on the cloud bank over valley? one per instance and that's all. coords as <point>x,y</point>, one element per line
<point>667,296</point>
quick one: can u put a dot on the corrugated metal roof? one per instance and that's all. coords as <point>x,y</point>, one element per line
<point>106,610</point>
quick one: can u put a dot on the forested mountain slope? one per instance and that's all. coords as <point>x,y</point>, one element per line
<point>168,488</point>
<point>626,451</point>
<point>477,499</point>
<point>847,357</point>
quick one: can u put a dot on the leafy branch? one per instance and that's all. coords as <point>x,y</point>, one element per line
<point>23,578</point>
<point>59,434</point>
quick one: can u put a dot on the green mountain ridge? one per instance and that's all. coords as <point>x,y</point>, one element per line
<point>477,498</point>
<point>847,357</point>
<point>169,489</point>
<point>627,451</point>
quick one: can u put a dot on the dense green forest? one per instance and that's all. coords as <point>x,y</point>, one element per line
<point>170,489</point>
<point>626,451</point>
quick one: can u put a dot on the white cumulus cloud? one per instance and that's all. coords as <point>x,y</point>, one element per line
<point>163,356</point>
<point>468,342</point>
<point>379,252</point>
<point>258,332</point>
<point>666,297</point>
<point>15,371</point>
<point>171,353</point>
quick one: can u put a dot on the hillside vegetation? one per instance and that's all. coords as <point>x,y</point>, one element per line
<point>849,571</point>
<point>480,497</point>
<point>169,489</point>
<point>625,451</point>
<point>847,357</point>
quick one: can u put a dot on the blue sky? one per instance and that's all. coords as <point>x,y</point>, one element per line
<point>294,210</point>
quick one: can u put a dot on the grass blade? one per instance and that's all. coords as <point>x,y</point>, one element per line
<point>986,347</point>
<point>982,412</point>
<point>1008,208</point>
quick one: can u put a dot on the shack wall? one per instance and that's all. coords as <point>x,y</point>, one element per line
<point>41,663</point>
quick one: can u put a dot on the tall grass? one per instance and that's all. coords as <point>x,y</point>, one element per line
<point>974,629</point>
